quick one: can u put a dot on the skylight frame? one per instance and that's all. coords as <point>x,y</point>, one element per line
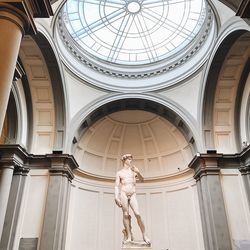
<point>153,54</point>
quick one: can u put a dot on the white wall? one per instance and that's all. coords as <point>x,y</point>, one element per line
<point>237,209</point>
<point>169,209</point>
<point>31,218</point>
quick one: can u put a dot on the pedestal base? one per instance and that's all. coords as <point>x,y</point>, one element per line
<point>136,248</point>
<point>133,245</point>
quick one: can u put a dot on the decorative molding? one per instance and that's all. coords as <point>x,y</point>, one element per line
<point>90,176</point>
<point>13,155</point>
<point>17,156</point>
<point>205,164</point>
<point>62,164</point>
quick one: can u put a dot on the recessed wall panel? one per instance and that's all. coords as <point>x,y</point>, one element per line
<point>85,222</point>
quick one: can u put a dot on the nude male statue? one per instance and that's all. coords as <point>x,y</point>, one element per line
<point>125,196</point>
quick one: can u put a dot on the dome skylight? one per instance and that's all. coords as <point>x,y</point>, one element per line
<point>133,32</point>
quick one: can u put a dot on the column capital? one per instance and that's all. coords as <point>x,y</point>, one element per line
<point>12,156</point>
<point>62,164</point>
<point>23,12</point>
<point>205,164</point>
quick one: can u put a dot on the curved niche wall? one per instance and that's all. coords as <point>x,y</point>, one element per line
<point>158,147</point>
<point>168,198</point>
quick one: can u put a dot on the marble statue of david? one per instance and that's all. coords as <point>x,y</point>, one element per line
<point>125,197</point>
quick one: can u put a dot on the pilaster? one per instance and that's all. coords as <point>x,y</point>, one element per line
<point>245,171</point>
<point>213,214</point>
<point>56,211</point>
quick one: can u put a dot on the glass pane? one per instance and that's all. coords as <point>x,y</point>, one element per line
<point>134,32</point>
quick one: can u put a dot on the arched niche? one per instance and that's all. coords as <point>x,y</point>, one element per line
<point>43,81</point>
<point>224,80</point>
<point>160,140</point>
<point>162,144</point>
<point>57,87</point>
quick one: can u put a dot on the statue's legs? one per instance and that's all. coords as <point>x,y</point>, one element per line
<point>134,205</point>
<point>126,216</point>
<point>125,238</point>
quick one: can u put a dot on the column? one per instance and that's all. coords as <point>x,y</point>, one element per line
<point>56,210</point>
<point>12,25</point>
<point>12,159</point>
<point>213,214</point>
<point>5,184</point>
<point>13,207</point>
<point>16,18</point>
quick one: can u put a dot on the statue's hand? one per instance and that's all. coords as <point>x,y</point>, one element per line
<point>118,202</point>
<point>135,169</point>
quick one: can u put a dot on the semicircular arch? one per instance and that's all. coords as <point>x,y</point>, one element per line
<point>223,81</point>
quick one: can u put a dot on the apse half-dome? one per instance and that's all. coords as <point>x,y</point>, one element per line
<point>158,147</point>
<point>128,40</point>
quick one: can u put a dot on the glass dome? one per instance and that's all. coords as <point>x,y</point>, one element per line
<point>135,45</point>
<point>133,32</point>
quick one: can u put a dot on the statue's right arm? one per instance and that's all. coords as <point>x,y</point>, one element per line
<point>117,192</point>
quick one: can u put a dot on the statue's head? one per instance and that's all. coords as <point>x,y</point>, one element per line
<point>125,157</point>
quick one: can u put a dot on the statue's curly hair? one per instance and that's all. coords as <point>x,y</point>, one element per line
<point>125,157</point>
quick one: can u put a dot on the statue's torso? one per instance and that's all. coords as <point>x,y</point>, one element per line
<point>128,181</point>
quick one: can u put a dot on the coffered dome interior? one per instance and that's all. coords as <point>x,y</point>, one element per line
<point>157,146</point>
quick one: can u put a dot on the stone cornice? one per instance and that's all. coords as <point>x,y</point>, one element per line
<point>62,164</point>
<point>211,163</point>
<point>245,161</point>
<point>12,154</point>
<point>15,156</point>
<point>205,164</point>
<point>26,11</point>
